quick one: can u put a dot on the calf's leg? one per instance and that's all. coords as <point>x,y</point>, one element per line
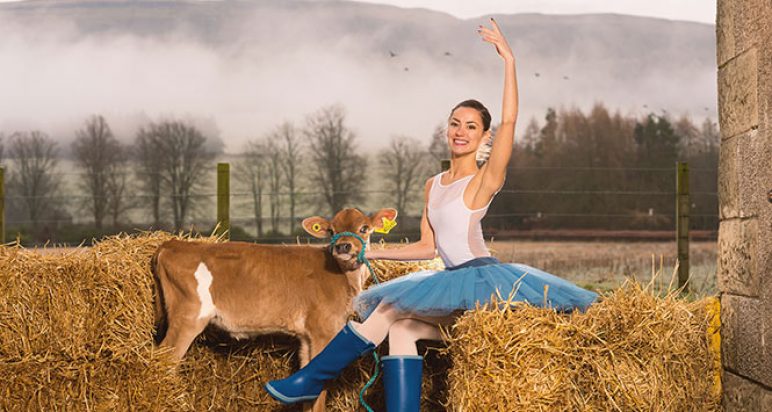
<point>182,332</point>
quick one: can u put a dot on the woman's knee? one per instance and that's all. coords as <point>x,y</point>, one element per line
<point>404,329</point>
<point>386,311</point>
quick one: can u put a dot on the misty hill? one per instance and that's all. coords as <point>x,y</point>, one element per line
<point>396,70</point>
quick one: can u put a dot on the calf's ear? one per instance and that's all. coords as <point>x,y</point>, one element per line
<point>317,227</point>
<point>376,219</point>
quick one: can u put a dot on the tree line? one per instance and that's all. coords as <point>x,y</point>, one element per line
<point>572,170</point>
<point>319,166</point>
<point>608,171</point>
<point>159,179</point>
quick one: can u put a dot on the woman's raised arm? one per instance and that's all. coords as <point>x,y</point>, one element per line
<point>495,169</point>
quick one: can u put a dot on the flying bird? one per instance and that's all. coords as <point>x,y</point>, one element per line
<point>447,53</point>
<point>392,54</point>
<point>537,74</point>
<point>565,77</point>
<point>406,68</point>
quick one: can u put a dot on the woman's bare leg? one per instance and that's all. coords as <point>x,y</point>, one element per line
<point>376,326</point>
<point>403,329</point>
<point>404,334</point>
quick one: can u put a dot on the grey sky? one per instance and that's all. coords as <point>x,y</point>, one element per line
<point>691,10</point>
<point>53,78</point>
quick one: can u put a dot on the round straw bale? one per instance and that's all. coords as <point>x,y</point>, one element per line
<point>632,350</point>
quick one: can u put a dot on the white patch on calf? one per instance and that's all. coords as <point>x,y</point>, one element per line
<point>204,281</point>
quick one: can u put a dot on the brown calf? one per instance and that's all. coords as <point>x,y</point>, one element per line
<point>250,289</point>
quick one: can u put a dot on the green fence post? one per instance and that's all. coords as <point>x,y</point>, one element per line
<point>223,199</point>
<point>682,222</point>
<point>2,205</point>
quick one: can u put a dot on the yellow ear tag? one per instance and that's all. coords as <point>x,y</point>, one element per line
<point>316,227</point>
<point>388,224</point>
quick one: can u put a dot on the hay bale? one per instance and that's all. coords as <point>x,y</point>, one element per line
<point>76,332</point>
<point>630,351</point>
<point>96,384</point>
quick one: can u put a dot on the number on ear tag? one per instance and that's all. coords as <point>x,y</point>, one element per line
<point>388,224</point>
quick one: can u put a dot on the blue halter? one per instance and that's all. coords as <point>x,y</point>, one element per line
<point>361,259</point>
<point>361,256</point>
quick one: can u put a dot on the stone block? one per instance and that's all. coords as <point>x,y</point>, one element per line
<point>725,38</point>
<point>729,162</point>
<point>743,346</point>
<point>737,271</point>
<point>745,174</point>
<point>764,262</point>
<point>740,25</point>
<point>765,74</point>
<point>766,402</point>
<point>738,99</point>
<point>740,394</point>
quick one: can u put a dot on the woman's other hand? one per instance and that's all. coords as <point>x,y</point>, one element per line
<point>496,37</point>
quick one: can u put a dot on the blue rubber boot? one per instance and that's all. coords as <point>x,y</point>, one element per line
<point>402,381</point>
<point>307,383</point>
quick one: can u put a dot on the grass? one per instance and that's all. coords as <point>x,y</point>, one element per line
<point>604,265</point>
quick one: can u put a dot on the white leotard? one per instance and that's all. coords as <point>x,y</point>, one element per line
<point>457,229</point>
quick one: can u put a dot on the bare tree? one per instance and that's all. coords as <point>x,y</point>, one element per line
<point>173,158</point>
<point>338,168</point>
<point>275,181</point>
<point>438,147</point>
<point>530,137</point>
<point>291,154</point>
<point>185,161</point>
<point>690,136</point>
<point>118,188</point>
<point>403,168</point>
<point>33,179</point>
<point>252,172</point>
<point>97,153</point>
<point>710,137</point>
<point>147,149</point>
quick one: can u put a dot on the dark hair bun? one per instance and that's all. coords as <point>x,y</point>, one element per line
<point>474,104</point>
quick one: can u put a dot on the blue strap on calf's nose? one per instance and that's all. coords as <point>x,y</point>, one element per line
<point>361,256</point>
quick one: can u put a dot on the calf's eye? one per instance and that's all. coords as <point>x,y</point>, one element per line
<point>363,229</point>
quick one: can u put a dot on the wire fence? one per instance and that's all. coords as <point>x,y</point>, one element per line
<point>265,216</point>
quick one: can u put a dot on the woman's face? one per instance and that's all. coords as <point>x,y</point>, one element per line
<point>465,131</point>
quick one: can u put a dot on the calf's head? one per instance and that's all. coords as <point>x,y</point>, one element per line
<point>346,249</point>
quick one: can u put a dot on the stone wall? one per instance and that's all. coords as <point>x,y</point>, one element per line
<point>744,34</point>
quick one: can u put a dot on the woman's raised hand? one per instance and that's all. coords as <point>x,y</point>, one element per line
<point>496,37</point>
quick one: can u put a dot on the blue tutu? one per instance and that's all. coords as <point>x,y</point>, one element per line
<point>433,293</point>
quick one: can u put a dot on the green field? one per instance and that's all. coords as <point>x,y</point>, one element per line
<point>605,264</point>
